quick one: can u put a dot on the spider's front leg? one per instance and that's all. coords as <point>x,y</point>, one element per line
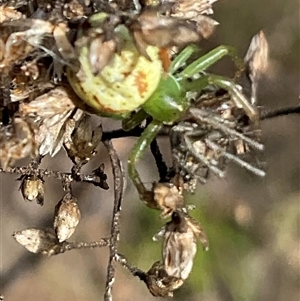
<point>233,89</point>
<point>204,62</point>
<point>138,150</point>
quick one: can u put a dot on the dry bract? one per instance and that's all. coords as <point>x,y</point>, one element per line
<point>66,217</point>
<point>256,60</point>
<point>36,240</point>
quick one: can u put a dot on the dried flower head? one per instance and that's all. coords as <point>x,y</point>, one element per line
<point>32,188</point>
<point>66,217</point>
<point>36,240</point>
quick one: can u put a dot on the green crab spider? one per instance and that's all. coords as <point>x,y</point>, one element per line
<point>130,83</point>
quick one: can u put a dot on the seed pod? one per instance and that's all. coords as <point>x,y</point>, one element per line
<point>66,217</point>
<point>179,247</point>
<point>83,141</point>
<point>159,283</point>
<point>167,198</point>
<point>32,188</point>
<point>36,240</point>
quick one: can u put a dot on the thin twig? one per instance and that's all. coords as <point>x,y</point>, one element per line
<point>119,188</point>
<point>97,179</point>
<point>136,272</point>
<point>160,163</point>
<point>68,246</point>
<point>267,114</point>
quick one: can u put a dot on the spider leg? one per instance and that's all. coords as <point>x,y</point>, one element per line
<point>213,56</point>
<point>134,120</point>
<point>180,59</point>
<point>138,150</point>
<point>237,96</point>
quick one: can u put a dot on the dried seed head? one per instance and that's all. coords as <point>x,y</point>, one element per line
<point>83,142</point>
<point>66,217</point>
<point>52,110</point>
<point>36,240</point>
<point>159,283</point>
<point>32,188</point>
<point>167,197</point>
<point>179,247</point>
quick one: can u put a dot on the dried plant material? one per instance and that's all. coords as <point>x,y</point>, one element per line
<point>52,111</point>
<point>13,48</point>
<point>159,283</point>
<point>217,131</point>
<point>191,9</point>
<point>53,103</point>
<point>83,141</point>
<point>100,37</point>
<point>66,217</point>
<point>107,48</point>
<point>258,54</point>
<point>167,197</point>
<point>73,10</point>
<point>32,188</point>
<point>151,27</point>
<point>36,240</point>
<point>63,45</point>
<point>30,79</point>
<point>256,61</point>
<point>16,142</point>
<point>36,52</point>
<point>98,177</point>
<point>9,13</point>
<point>179,247</point>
